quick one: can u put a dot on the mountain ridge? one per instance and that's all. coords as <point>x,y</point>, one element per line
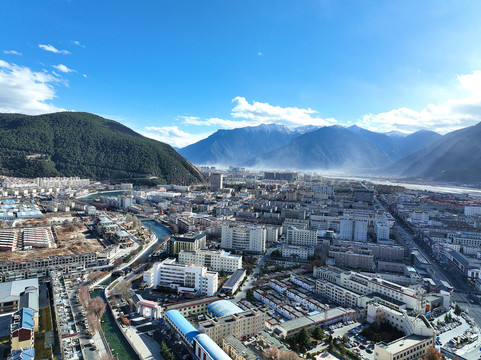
<point>85,144</point>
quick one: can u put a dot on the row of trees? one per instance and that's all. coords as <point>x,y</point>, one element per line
<point>273,353</point>
<point>133,221</point>
<point>95,307</point>
<point>165,352</point>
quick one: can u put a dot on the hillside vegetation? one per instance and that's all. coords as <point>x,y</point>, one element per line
<point>86,145</point>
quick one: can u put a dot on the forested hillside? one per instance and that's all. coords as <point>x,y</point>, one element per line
<point>86,145</point>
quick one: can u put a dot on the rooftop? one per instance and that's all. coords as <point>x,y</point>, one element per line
<point>402,344</point>
<point>223,308</point>
<point>182,324</point>
<point>10,291</point>
<point>215,352</point>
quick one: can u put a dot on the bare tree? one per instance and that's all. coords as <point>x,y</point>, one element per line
<point>94,323</point>
<point>96,306</point>
<point>124,289</point>
<point>288,355</point>
<point>84,296</point>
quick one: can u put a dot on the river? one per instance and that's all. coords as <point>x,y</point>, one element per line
<point>445,189</point>
<point>104,194</point>
<point>121,348</point>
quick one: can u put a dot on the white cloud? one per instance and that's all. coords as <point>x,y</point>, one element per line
<point>63,68</point>
<point>25,91</point>
<point>226,124</point>
<point>257,113</point>
<point>12,52</point>
<point>445,117</point>
<point>260,53</point>
<point>78,43</point>
<point>261,113</point>
<point>53,49</point>
<point>84,75</point>
<point>172,135</point>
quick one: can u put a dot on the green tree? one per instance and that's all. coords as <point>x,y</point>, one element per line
<point>457,310</point>
<point>303,339</point>
<point>318,334</point>
<point>165,352</point>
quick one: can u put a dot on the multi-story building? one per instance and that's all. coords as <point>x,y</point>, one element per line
<point>68,264</point>
<point>379,251</point>
<point>184,278</point>
<point>405,348</point>
<point>244,238</point>
<point>472,210</point>
<point>22,329</point>
<point>299,252</point>
<point>337,294</point>
<point>419,333</point>
<point>216,182</point>
<point>62,182</point>
<point>382,230</point>
<point>243,325</point>
<point>272,234</point>
<point>360,259</point>
<point>301,237</point>
<point>297,223</point>
<point>178,243</point>
<point>216,260</point>
<point>363,284</point>
<point>353,229</point>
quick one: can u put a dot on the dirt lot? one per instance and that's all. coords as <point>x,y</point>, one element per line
<point>71,239</point>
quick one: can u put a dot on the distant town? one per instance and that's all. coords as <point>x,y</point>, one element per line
<point>249,265</point>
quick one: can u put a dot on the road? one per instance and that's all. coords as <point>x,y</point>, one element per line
<point>252,278</point>
<point>461,292</point>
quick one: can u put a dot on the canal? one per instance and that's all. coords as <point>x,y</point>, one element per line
<point>120,347</point>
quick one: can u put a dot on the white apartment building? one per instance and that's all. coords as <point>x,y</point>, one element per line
<point>301,237</point>
<point>301,252</point>
<point>337,294</point>
<point>353,230</point>
<point>184,278</point>
<point>382,230</point>
<point>272,234</point>
<point>244,238</point>
<point>419,334</point>
<point>364,285</point>
<point>216,260</point>
<point>472,210</point>
<point>62,182</point>
<point>297,223</point>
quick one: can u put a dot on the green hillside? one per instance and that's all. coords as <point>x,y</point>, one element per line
<point>86,145</point>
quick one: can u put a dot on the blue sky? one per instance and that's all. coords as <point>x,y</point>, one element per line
<point>179,70</point>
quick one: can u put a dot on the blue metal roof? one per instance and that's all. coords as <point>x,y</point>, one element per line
<point>215,352</point>
<point>181,322</point>
<point>223,308</point>
<point>28,321</point>
<point>23,354</point>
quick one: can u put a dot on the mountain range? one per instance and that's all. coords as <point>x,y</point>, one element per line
<point>456,157</point>
<point>274,146</point>
<point>86,145</point>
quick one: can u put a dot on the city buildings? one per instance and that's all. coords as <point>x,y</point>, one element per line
<point>188,242</point>
<point>216,182</point>
<point>241,325</point>
<point>183,278</point>
<point>216,260</point>
<point>301,237</point>
<point>244,238</point>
